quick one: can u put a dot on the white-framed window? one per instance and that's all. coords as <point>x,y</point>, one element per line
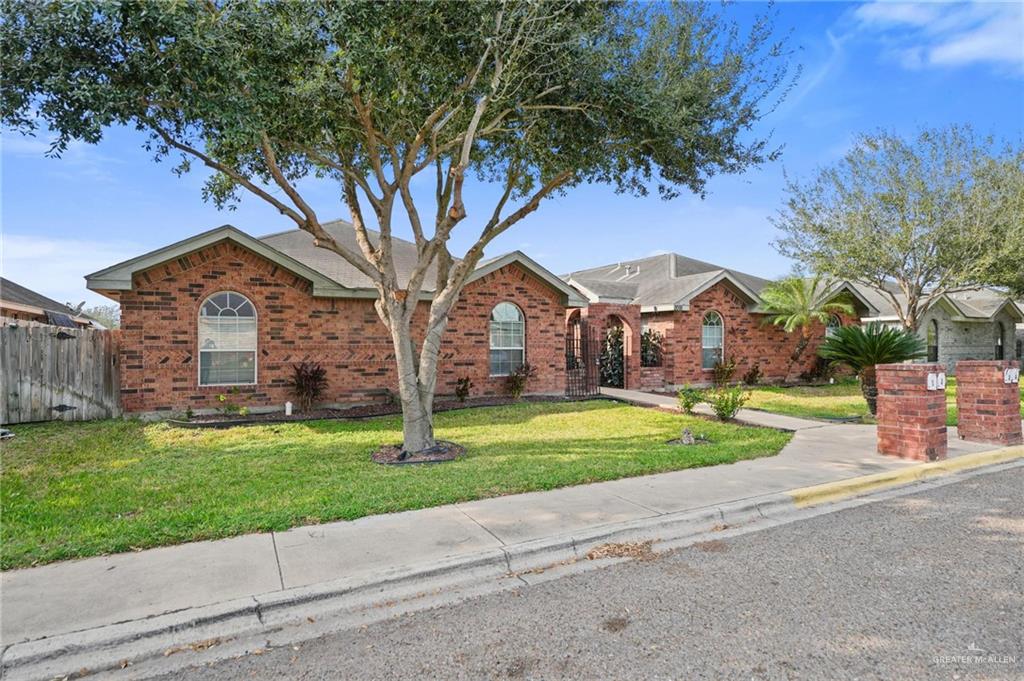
<point>712,340</point>
<point>227,340</point>
<point>1000,332</point>
<point>833,324</point>
<point>508,339</point>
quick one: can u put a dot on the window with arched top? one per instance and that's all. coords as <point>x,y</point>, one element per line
<point>833,324</point>
<point>1000,334</point>
<point>508,339</point>
<point>227,340</point>
<point>933,341</point>
<point>712,340</point>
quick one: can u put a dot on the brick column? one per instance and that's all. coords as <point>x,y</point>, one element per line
<point>988,406</point>
<point>911,418</point>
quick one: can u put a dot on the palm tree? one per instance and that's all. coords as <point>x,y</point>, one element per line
<point>861,348</point>
<point>798,303</point>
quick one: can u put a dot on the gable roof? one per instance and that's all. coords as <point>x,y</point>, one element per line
<point>978,305</point>
<point>330,274</point>
<point>665,281</point>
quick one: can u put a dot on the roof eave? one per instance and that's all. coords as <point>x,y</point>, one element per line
<point>684,302</point>
<point>573,298</point>
<point>119,277</point>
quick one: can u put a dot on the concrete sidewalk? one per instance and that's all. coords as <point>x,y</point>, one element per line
<point>753,417</point>
<point>84,594</point>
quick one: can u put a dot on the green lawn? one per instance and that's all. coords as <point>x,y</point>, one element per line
<point>840,401</point>
<point>81,489</point>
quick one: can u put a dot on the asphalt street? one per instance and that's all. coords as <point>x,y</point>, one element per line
<point>923,586</point>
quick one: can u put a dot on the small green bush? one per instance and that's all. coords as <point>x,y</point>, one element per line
<point>228,407</point>
<point>725,402</point>
<point>690,397</point>
<point>753,375</point>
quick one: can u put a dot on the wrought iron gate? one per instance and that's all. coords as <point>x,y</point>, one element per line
<point>582,360</point>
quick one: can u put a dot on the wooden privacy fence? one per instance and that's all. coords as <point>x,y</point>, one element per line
<point>52,373</point>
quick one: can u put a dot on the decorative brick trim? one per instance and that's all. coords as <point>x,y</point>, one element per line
<point>988,406</point>
<point>911,418</point>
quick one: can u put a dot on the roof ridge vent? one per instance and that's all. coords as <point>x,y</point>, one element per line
<point>629,271</point>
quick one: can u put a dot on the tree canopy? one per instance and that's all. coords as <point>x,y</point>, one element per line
<point>533,96</point>
<point>925,216</point>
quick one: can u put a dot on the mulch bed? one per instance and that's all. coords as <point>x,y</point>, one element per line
<point>393,455</point>
<point>361,411</point>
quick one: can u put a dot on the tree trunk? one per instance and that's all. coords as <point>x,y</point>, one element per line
<point>798,352</point>
<point>417,404</point>
<point>869,388</point>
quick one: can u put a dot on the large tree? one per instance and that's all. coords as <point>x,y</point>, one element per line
<point>915,218</point>
<point>534,97</point>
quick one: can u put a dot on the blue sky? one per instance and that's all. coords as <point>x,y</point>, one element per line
<point>893,65</point>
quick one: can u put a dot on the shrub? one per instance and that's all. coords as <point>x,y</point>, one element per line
<point>723,371</point>
<point>462,388</point>
<point>650,348</point>
<point>725,402</point>
<point>228,406</point>
<point>753,375</point>
<point>820,372</point>
<point>690,397</point>
<point>307,384</point>
<point>517,380</point>
<point>862,348</point>
<point>613,370</point>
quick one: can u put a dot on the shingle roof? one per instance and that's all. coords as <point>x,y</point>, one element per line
<point>16,293</point>
<point>331,275</point>
<point>299,245</point>
<point>658,280</point>
<point>976,304</point>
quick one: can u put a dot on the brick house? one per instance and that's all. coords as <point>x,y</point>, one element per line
<point>704,312</point>
<point>226,312</point>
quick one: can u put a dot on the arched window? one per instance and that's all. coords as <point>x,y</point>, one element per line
<point>933,341</point>
<point>508,339</point>
<point>227,340</point>
<point>712,340</point>
<point>1000,333</point>
<point>833,324</point>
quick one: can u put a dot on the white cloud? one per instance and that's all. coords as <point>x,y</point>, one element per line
<point>923,35</point>
<point>80,161</point>
<point>56,267</point>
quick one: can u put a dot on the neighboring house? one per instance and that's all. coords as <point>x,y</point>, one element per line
<point>18,302</point>
<point>224,312</point>
<point>1020,333</point>
<point>977,324</point>
<point>705,313</point>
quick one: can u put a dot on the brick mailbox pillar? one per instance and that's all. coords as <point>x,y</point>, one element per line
<point>988,401</point>
<point>912,411</point>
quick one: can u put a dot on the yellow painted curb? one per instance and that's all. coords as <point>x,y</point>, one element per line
<point>842,489</point>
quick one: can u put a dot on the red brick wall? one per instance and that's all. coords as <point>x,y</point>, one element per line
<point>747,338</point>
<point>988,407</point>
<point>159,360</point>
<point>911,418</point>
